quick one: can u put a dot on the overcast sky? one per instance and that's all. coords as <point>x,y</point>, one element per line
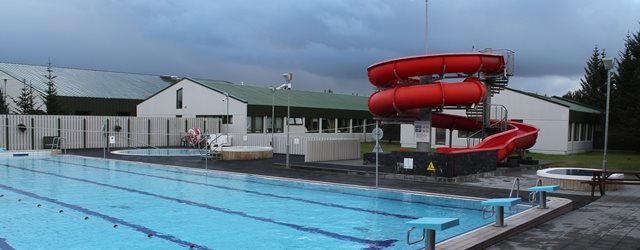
<point>326,44</point>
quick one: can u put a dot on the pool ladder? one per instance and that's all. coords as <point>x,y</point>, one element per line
<point>515,186</point>
<point>55,144</point>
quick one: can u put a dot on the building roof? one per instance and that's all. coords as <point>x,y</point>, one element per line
<point>255,95</point>
<point>88,83</point>
<point>572,105</point>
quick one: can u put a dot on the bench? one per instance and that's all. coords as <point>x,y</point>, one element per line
<point>430,225</point>
<point>500,203</point>
<point>601,183</point>
<point>542,193</point>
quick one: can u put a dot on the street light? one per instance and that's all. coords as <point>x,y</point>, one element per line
<point>287,78</point>
<point>273,105</point>
<point>226,94</point>
<point>608,65</point>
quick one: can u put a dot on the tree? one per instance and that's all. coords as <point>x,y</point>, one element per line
<point>4,105</point>
<point>26,104</point>
<point>51,93</point>
<point>594,83</point>
<point>624,102</point>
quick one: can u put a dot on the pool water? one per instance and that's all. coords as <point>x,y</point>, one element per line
<point>69,202</point>
<point>160,152</point>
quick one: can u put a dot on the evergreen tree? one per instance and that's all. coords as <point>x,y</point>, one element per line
<point>625,108</point>
<point>26,104</point>
<point>594,84</point>
<point>51,94</point>
<point>573,95</point>
<point>4,105</point>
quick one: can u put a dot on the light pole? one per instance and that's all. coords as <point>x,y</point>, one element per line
<point>226,94</point>
<point>287,78</point>
<point>273,109</point>
<point>608,65</point>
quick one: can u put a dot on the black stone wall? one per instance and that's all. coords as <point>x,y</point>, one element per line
<point>446,165</point>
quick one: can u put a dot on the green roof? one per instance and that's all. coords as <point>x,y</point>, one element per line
<point>576,106</point>
<point>572,105</point>
<point>256,95</point>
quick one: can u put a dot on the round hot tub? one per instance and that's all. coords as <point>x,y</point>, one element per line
<point>243,153</point>
<point>570,178</point>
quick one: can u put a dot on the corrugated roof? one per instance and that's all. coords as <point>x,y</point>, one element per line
<point>572,105</point>
<point>575,106</point>
<point>88,83</point>
<point>255,95</point>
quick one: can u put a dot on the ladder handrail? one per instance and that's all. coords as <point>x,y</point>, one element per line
<point>516,183</point>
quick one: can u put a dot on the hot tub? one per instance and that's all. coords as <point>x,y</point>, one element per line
<point>570,178</point>
<point>243,153</point>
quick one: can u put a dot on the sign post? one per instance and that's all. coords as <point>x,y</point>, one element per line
<point>377,134</point>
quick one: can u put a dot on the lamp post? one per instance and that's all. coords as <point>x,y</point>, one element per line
<point>273,109</point>
<point>608,65</point>
<point>287,78</point>
<point>226,94</point>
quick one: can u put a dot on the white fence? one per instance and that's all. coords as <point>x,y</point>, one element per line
<point>338,149</point>
<point>297,142</point>
<point>27,132</point>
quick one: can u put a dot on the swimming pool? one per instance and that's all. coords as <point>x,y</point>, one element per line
<point>68,202</point>
<point>159,152</point>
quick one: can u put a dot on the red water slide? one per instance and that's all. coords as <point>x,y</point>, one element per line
<point>402,97</point>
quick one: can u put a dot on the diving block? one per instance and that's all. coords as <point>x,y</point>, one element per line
<point>429,226</point>
<point>500,203</point>
<point>542,193</point>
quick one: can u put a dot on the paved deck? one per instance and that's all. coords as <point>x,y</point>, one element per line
<point>611,222</point>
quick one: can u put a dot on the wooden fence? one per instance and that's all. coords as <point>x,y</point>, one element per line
<point>28,132</point>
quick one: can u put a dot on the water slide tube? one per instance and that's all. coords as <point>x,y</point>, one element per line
<point>401,97</point>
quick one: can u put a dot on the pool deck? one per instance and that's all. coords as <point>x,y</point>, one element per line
<point>610,222</point>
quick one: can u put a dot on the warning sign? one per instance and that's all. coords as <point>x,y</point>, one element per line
<point>431,167</point>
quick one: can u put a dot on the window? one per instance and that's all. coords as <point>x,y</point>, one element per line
<point>254,124</point>
<point>312,125</point>
<point>279,124</point>
<point>441,136</point>
<point>589,132</point>
<point>569,131</point>
<point>576,131</point>
<point>343,125</point>
<point>583,132</point>
<point>357,126</point>
<point>467,134</point>
<point>295,121</point>
<point>179,98</point>
<point>227,119</point>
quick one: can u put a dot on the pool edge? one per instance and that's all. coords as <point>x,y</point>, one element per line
<point>489,235</point>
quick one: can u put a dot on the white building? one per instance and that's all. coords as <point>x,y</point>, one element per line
<point>566,127</point>
<point>248,109</point>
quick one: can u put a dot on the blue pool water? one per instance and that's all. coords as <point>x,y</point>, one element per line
<point>69,202</point>
<point>160,152</point>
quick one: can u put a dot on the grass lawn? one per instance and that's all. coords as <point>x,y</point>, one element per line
<point>615,160</point>
<point>367,147</point>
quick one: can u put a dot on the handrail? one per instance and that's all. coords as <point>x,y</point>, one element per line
<point>516,183</point>
<point>424,236</point>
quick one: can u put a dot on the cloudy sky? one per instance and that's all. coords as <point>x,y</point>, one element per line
<point>326,44</point>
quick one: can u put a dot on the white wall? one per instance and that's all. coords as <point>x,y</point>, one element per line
<point>552,120</point>
<point>196,100</point>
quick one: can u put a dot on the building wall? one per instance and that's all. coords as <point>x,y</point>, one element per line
<point>197,101</point>
<point>552,120</point>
